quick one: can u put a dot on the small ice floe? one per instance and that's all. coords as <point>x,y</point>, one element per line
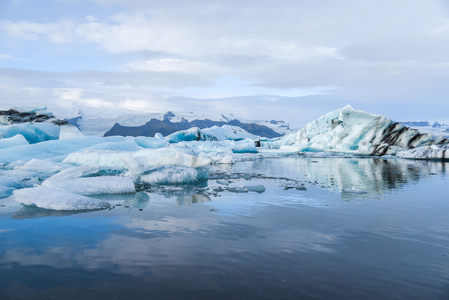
<point>57,199</point>
<point>255,188</point>
<point>247,188</point>
<point>223,182</point>
<point>354,190</point>
<point>299,187</point>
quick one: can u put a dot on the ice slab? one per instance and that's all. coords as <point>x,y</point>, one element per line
<point>154,157</point>
<point>57,199</point>
<point>33,132</point>
<point>48,149</point>
<point>427,153</point>
<point>42,166</point>
<point>68,131</point>
<point>151,142</point>
<point>88,186</point>
<point>16,140</point>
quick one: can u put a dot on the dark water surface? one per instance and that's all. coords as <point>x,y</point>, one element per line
<point>361,229</point>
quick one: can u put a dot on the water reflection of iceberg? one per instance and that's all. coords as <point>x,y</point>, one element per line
<point>365,176</point>
<point>191,198</point>
<point>32,212</point>
<point>138,200</point>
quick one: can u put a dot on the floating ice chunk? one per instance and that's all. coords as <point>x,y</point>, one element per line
<point>223,182</point>
<point>246,146</point>
<point>33,132</point>
<point>169,156</point>
<point>154,157</point>
<point>16,140</point>
<point>68,131</point>
<point>174,175</point>
<point>158,135</point>
<point>427,152</point>
<point>42,166</point>
<point>57,199</point>
<point>215,133</point>
<point>152,143</point>
<point>116,143</point>
<point>7,185</point>
<point>254,188</point>
<point>226,160</point>
<point>75,172</point>
<point>241,189</point>
<point>136,165</point>
<point>48,149</point>
<point>96,158</point>
<point>191,134</point>
<point>94,185</point>
<point>225,132</point>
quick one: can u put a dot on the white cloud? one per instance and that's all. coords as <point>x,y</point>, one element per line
<point>6,56</point>
<point>174,65</point>
<point>57,32</point>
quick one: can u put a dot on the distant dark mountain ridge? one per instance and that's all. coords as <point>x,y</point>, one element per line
<point>166,127</point>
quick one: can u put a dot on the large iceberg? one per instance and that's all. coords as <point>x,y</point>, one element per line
<point>347,130</point>
<point>215,133</point>
<point>35,124</point>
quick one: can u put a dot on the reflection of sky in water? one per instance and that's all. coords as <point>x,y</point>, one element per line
<point>392,241</point>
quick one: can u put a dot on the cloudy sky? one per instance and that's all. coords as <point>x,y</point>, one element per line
<point>261,59</point>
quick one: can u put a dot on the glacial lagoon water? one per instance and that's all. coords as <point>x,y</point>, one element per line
<point>324,228</point>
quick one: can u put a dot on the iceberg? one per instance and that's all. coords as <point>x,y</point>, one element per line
<point>215,133</point>
<point>89,186</point>
<point>16,140</point>
<point>426,152</point>
<point>42,166</point>
<point>57,199</point>
<point>174,175</point>
<point>121,160</point>
<point>36,124</point>
<point>347,130</point>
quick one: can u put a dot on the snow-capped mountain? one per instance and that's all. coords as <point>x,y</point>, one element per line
<point>166,123</point>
